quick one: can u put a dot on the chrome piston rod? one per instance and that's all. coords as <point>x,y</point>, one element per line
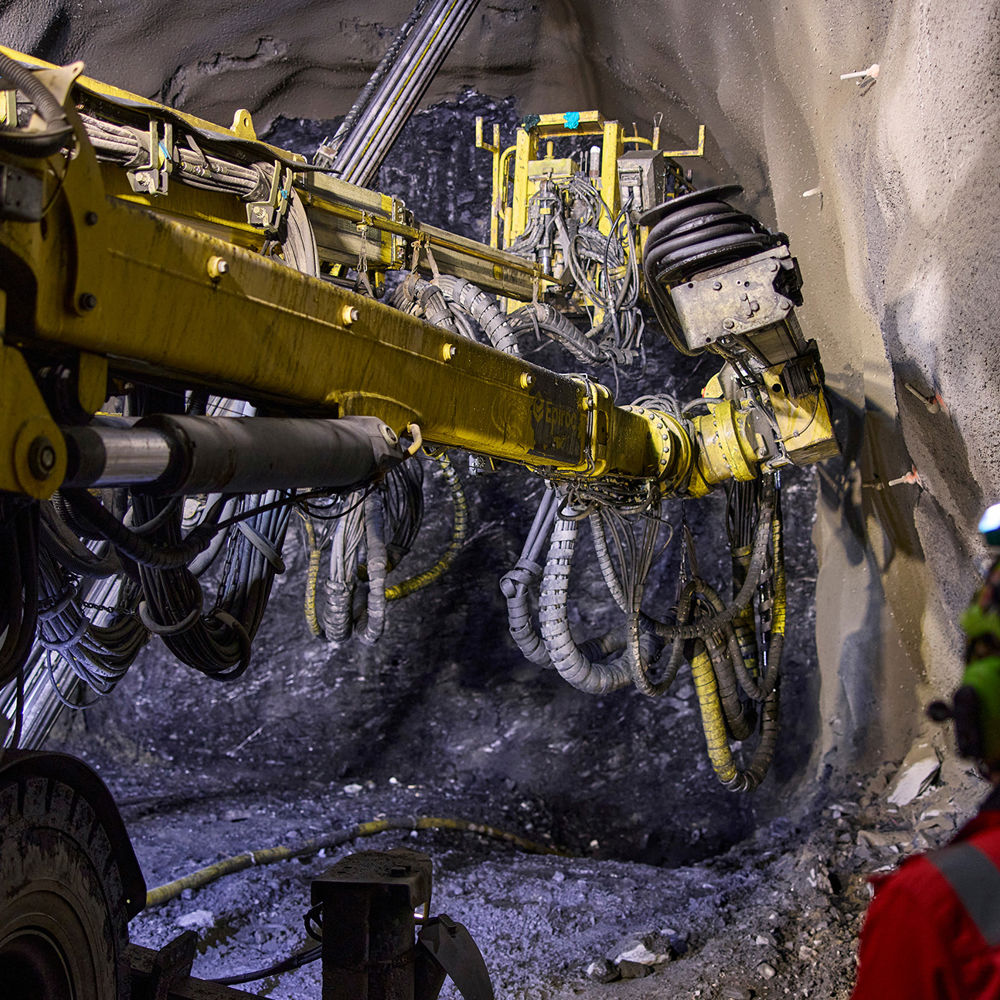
<point>179,455</point>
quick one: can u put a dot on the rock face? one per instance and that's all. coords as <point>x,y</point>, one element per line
<point>899,256</point>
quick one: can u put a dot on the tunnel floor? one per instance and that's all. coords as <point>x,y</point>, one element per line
<point>774,916</point>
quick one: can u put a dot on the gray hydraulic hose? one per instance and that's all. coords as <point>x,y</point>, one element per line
<point>514,585</point>
<point>604,559</point>
<point>338,611</point>
<point>541,316</point>
<point>484,310</point>
<point>639,665</point>
<point>566,656</point>
<point>372,622</point>
<point>421,298</point>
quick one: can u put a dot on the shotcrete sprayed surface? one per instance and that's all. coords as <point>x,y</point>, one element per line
<point>759,898</point>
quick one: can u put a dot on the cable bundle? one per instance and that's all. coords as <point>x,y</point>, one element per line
<point>734,649</point>
<point>370,539</point>
<point>565,216</point>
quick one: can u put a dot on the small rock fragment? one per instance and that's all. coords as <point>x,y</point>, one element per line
<point>353,789</point>
<point>603,971</point>
<point>200,919</point>
<point>736,993</point>
<point>638,951</point>
<point>807,954</point>
<point>883,841</point>
<point>918,770</point>
<point>766,971</point>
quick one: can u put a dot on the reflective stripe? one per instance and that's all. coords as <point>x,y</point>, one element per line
<point>976,881</point>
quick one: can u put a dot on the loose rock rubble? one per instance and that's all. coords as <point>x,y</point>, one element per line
<point>775,917</point>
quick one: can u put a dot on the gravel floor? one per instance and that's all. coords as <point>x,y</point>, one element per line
<point>775,916</point>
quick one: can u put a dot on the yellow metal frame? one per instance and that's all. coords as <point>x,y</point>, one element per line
<point>114,286</point>
<point>555,126</point>
<point>118,282</point>
<point>349,222</point>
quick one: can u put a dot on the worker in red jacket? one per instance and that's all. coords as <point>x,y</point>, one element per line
<point>933,928</point>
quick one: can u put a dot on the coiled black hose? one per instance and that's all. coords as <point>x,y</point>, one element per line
<point>544,318</point>
<point>699,231</point>
<point>694,233</point>
<point>64,546</point>
<point>34,144</point>
<point>102,522</point>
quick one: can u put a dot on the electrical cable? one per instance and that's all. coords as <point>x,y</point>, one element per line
<point>19,605</point>
<point>286,965</point>
<point>40,143</point>
<point>758,555</point>
<point>93,513</point>
<point>269,855</point>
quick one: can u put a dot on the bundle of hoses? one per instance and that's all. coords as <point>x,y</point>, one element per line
<point>216,641</point>
<point>692,234</point>
<point>458,306</point>
<point>368,542</point>
<point>128,147</point>
<point>19,585</point>
<point>191,165</point>
<point>98,655</point>
<point>715,637</point>
<point>594,261</point>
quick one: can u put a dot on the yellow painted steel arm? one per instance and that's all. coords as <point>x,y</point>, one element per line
<point>146,293</point>
<point>107,282</point>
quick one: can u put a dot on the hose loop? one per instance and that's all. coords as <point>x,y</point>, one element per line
<point>553,621</point>
<point>38,144</point>
<point>102,521</point>
<point>173,629</point>
<point>705,627</point>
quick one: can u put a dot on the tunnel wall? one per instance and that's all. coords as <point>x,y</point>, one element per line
<point>898,252</point>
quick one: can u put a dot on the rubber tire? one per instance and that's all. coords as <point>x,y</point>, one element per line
<point>63,925</point>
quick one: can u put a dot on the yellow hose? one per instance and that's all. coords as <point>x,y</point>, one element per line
<point>269,855</point>
<point>712,721</point>
<point>312,575</point>
<point>780,597</point>
<point>460,527</point>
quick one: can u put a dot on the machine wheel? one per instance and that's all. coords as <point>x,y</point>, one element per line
<point>62,907</point>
